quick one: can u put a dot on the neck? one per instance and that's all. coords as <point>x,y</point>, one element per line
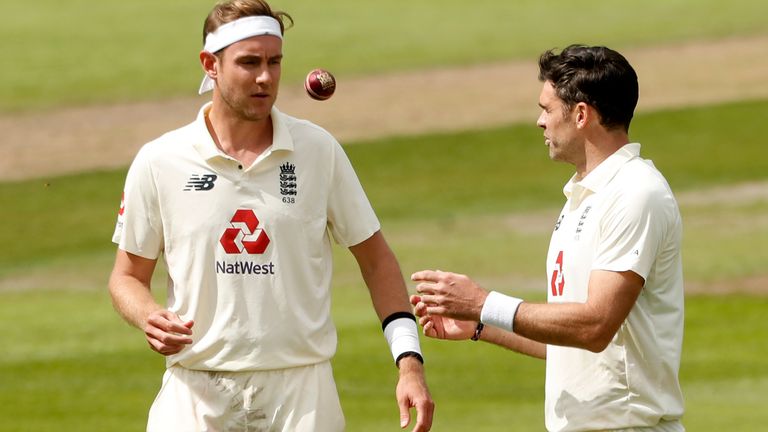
<point>239,138</point>
<point>599,148</point>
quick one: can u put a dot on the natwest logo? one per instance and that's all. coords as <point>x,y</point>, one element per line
<point>245,234</point>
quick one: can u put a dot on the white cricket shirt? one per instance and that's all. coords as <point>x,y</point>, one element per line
<point>622,216</point>
<point>247,248</point>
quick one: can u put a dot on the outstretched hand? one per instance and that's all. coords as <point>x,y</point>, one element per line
<point>449,295</point>
<point>439,327</point>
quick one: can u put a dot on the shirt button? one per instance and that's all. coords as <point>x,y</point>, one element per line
<point>239,167</point>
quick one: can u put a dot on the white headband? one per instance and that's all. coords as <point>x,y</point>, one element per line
<point>231,32</point>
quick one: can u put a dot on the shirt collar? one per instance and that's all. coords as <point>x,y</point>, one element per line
<point>601,175</point>
<point>204,144</point>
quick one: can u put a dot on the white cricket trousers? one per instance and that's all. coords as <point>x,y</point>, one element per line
<point>663,426</point>
<point>302,399</point>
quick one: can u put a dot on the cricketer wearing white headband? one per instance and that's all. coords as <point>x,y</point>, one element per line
<point>235,31</point>
<point>399,328</point>
<point>243,203</point>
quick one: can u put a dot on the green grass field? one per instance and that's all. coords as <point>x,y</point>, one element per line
<point>479,202</point>
<point>71,365</point>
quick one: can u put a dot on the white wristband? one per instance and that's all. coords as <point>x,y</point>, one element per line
<point>402,336</point>
<point>499,310</point>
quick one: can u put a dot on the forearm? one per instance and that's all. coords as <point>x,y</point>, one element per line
<point>132,299</point>
<point>129,286</point>
<point>387,288</point>
<point>389,295</point>
<point>513,342</point>
<point>382,276</point>
<point>567,324</point>
<point>576,325</point>
<point>590,325</point>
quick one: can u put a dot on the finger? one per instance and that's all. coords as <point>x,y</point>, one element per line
<point>424,413</point>
<point>415,299</point>
<point>178,325</point>
<point>436,310</point>
<point>171,323</point>
<point>168,333</point>
<point>429,412</point>
<point>425,275</point>
<point>405,415</point>
<point>420,309</point>
<point>426,288</point>
<point>183,328</point>
<point>429,329</point>
<point>172,317</point>
<point>166,338</point>
<point>426,319</point>
<point>430,300</point>
<point>162,348</point>
<point>155,345</point>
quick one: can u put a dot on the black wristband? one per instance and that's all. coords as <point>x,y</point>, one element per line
<point>396,315</point>
<point>478,330</point>
<point>409,354</point>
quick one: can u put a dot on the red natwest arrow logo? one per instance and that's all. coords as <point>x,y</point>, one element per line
<point>245,234</point>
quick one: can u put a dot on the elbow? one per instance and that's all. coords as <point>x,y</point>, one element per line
<point>114,292</point>
<point>598,345</point>
<point>596,340</point>
<point>113,285</point>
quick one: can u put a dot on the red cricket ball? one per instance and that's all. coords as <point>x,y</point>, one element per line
<point>320,84</point>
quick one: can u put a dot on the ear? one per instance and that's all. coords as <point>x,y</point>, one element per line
<point>582,114</point>
<point>209,63</point>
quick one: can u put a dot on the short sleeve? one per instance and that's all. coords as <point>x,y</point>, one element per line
<point>139,227</point>
<point>351,218</point>
<point>632,232</point>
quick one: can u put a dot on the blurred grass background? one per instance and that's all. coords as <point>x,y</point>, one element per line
<point>480,202</point>
<point>433,182</point>
<point>85,52</point>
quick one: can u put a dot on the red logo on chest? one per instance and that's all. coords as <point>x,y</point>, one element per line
<point>558,279</point>
<point>245,234</point>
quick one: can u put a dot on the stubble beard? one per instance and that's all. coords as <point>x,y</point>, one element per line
<point>244,108</point>
<point>554,150</point>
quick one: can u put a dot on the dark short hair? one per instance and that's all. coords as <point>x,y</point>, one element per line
<point>595,75</point>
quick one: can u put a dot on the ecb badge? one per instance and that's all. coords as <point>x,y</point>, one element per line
<point>288,182</point>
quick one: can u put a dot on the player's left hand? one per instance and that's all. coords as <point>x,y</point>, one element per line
<point>450,294</point>
<point>412,392</point>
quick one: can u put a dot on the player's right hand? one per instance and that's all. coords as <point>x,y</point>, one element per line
<point>166,333</point>
<point>440,327</point>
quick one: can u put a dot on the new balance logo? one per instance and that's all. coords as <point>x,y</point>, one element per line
<point>200,182</point>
